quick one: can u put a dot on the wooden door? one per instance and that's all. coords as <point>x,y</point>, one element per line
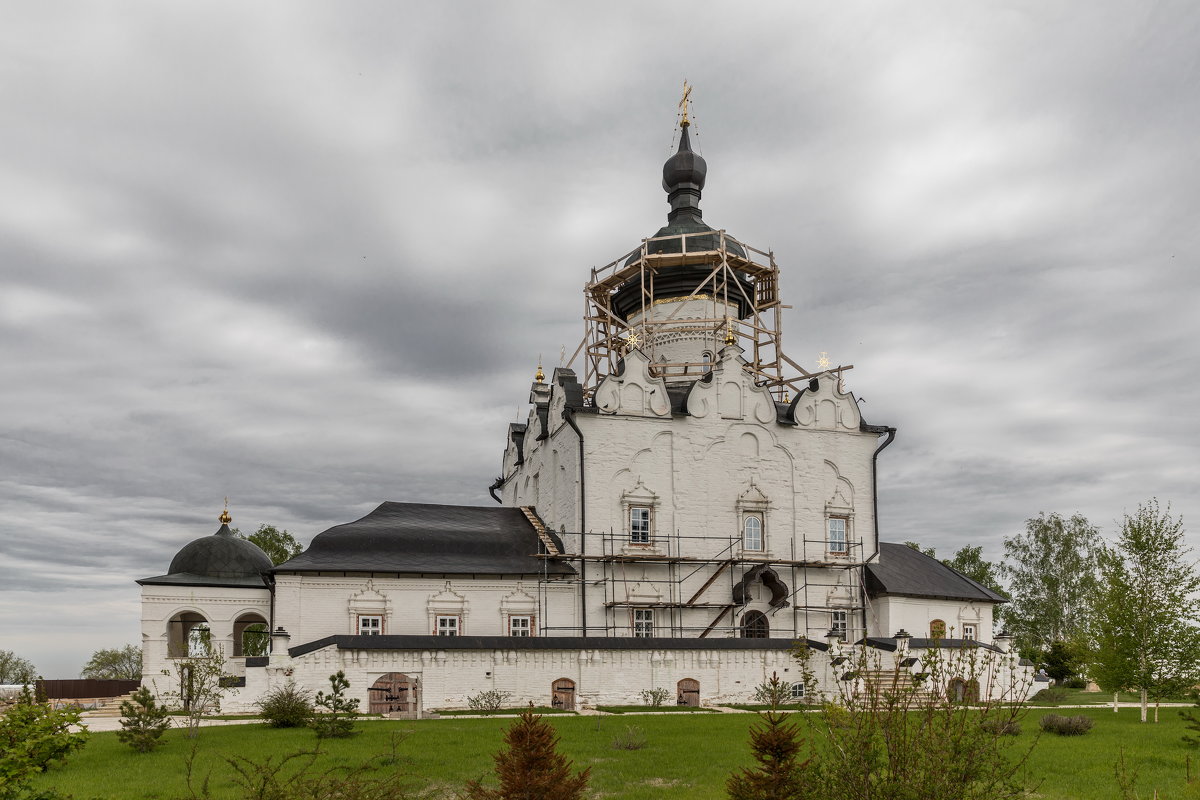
<point>393,693</point>
<point>562,694</point>
<point>688,692</point>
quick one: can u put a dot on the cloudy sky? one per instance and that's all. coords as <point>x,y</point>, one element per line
<point>306,255</point>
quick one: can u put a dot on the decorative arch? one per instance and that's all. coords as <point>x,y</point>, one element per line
<point>770,579</point>
<point>188,633</point>
<point>937,629</point>
<point>251,635</point>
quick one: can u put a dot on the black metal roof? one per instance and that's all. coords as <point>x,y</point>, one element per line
<point>901,570</point>
<point>222,559</point>
<point>350,642</point>
<point>426,538</point>
<point>889,643</point>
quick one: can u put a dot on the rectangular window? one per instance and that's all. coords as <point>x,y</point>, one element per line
<point>797,691</point>
<point>752,532</point>
<point>969,631</point>
<point>370,626</point>
<point>520,626</point>
<point>643,623</point>
<point>639,525</point>
<point>837,536</point>
<point>447,626</point>
<point>838,624</point>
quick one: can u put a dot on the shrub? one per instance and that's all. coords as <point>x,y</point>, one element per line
<point>776,745</point>
<point>532,768</point>
<point>341,711</point>
<point>1001,727</point>
<point>32,734</point>
<point>143,721</point>
<point>1066,726</point>
<point>1075,683</point>
<point>655,697</point>
<point>1051,694</point>
<point>633,738</point>
<point>773,692</point>
<point>488,701</point>
<point>287,706</point>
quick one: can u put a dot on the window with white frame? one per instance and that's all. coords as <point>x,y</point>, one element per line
<point>639,525</point>
<point>797,691</point>
<point>447,626</point>
<point>520,625</point>
<point>968,630</point>
<point>752,532</point>
<point>370,625</point>
<point>837,536</point>
<point>838,624</point>
<point>643,623</point>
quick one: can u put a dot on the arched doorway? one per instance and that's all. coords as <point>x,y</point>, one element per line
<point>394,693</point>
<point>250,636</point>
<point>188,635</point>
<point>755,625</point>
<point>562,694</point>
<point>688,691</point>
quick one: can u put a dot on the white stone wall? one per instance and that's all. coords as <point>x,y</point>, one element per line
<point>914,614</point>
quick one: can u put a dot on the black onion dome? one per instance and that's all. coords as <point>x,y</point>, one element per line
<point>222,555</point>
<point>685,171</point>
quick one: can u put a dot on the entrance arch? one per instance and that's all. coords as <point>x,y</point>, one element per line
<point>688,692</point>
<point>562,694</point>
<point>395,693</point>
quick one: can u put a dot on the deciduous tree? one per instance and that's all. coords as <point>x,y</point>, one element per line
<point>278,545</point>
<point>1051,574</point>
<point>119,663</point>
<point>14,669</point>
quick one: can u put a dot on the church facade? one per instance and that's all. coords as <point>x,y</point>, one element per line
<point>675,516</point>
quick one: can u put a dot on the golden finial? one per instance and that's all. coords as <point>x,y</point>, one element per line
<point>823,360</point>
<point>730,336</point>
<point>225,519</point>
<point>540,376</point>
<point>787,398</point>
<point>683,104</point>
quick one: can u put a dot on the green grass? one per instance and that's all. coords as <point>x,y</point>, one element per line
<point>1078,697</point>
<point>686,756</point>
<point>459,712</point>
<point>651,709</point>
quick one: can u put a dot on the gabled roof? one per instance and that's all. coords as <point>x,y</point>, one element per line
<point>425,538</point>
<point>903,571</point>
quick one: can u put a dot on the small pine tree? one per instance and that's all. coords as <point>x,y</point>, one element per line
<point>341,711</point>
<point>779,775</point>
<point>143,721</point>
<point>532,768</point>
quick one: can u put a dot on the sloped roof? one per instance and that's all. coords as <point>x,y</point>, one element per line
<point>222,559</point>
<point>427,538</point>
<point>420,642</point>
<point>903,571</point>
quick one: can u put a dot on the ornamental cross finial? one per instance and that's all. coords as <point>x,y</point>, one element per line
<point>683,104</point>
<point>540,376</point>
<point>225,519</point>
<point>823,361</point>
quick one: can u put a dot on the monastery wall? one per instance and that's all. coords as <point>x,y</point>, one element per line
<point>917,615</point>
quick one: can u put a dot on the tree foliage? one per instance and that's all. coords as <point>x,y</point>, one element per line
<point>776,745</point>
<point>1051,574</point>
<point>119,663</point>
<point>32,735</point>
<point>278,545</point>
<point>1144,627</point>
<point>531,768</point>
<point>143,721</point>
<point>340,712</point>
<point>199,680</point>
<point>15,670</point>
<point>929,551</point>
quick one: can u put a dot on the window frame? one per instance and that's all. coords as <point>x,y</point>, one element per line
<point>796,691</point>
<point>970,631</point>
<point>830,542</point>
<point>527,618</point>
<point>642,623</point>
<point>647,536</point>
<point>456,627</point>
<point>364,618</point>
<point>756,517</point>
<point>842,625</point>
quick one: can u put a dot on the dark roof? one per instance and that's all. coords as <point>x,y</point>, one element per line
<point>901,570</point>
<point>426,538</point>
<point>223,559</point>
<point>888,643</point>
<point>348,642</point>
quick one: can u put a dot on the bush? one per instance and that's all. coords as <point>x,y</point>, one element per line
<point>531,768</point>
<point>1001,727</point>
<point>1051,694</point>
<point>655,697</point>
<point>287,706</point>
<point>1066,726</point>
<point>143,721</point>
<point>1075,683</point>
<point>634,738</point>
<point>342,711</point>
<point>33,734</point>
<point>488,701</point>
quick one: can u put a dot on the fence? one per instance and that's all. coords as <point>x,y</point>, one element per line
<point>72,689</point>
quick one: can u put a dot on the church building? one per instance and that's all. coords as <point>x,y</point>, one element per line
<point>674,515</point>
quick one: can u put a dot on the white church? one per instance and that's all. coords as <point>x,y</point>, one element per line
<point>674,517</point>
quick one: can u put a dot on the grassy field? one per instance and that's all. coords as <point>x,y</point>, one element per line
<point>687,756</point>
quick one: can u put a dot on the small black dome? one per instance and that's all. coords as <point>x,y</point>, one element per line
<point>222,555</point>
<point>685,169</point>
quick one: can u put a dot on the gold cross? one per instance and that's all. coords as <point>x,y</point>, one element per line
<point>823,361</point>
<point>683,104</point>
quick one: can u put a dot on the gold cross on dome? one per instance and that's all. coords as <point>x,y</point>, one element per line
<point>683,104</point>
<point>823,360</point>
<point>632,340</point>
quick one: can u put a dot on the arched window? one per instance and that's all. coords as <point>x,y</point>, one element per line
<point>250,636</point>
<point>937,629</point>
<point>797,691</point>
<point>752,532</point>
<point>187,631</point>
<point>755,625</point>
<point>199,640</point>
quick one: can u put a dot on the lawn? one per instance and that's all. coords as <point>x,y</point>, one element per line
<point>687,756</point>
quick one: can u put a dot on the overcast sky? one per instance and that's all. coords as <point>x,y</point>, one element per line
<point>306,255</point>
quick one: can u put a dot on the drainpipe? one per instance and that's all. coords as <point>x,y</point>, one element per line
<point>891,435</point>
<point>496,484</point>
<point>569,417</point>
